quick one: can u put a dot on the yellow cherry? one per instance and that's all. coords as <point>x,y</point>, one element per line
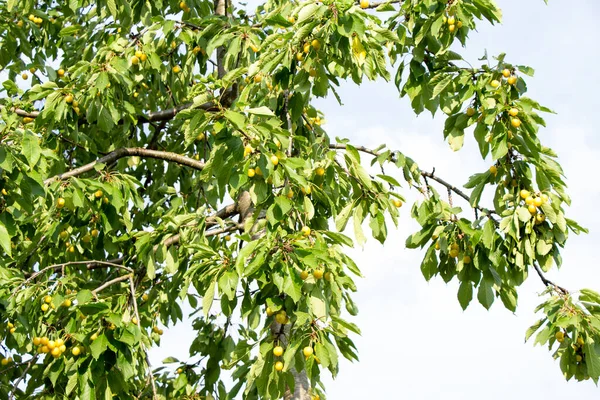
<point>307,351</point>
<point>278,351</point>
<point>529,200</point>
<point>281,317</point>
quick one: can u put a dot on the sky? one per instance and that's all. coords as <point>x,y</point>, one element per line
<point>416,341</point>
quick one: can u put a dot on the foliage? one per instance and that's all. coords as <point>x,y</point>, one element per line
<point>165,154</point>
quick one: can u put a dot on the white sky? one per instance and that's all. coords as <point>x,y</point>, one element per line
<point>417,343</point>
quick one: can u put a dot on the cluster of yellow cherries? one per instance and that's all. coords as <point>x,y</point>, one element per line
<point>55,347</point>
<point>533,203</point>
<point>560,337</point>
<point>278,352</point>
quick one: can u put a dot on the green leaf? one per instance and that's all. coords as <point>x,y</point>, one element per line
<point>207,300</point>
<point>262,111</point>
<point>5,239</point>
<point>237,120</point>
<point>429,265</point>
<point>98,346</point>
<point>342,218</point>
<point>485,294</point>
<point>592,360</point>
<point>83,297</point>
<point>112,6</point>
<point>307,12</point>
<point>292,284</point>
<point>465,294</point>
<point>31,149</point>
<point>534,328</point>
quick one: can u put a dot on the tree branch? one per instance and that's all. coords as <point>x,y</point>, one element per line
<point>109,283</point>
<point>90,265</point>
<point>16,385</point>
<point>548,282</point>
<point>163,115</point>
<point>429,175</point>
<point>128,152</point>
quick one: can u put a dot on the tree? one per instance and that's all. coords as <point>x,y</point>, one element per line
<point>162,152</point>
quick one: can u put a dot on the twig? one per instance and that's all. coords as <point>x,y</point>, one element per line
<point>90,265</point>
<point>425,174</point>
<point>547,281</point>
<point>16,385</point>
<point>109,283</point>
<point>289,122</point>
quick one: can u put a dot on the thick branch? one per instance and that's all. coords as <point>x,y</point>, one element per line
<point>128,152</point>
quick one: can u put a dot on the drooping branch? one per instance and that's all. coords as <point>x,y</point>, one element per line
<point>128,152</point>
<point>450,187</point>
<point>425,174</point>
<point>547,281</point>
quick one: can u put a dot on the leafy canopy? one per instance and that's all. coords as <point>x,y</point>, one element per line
<point>156,153</point>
